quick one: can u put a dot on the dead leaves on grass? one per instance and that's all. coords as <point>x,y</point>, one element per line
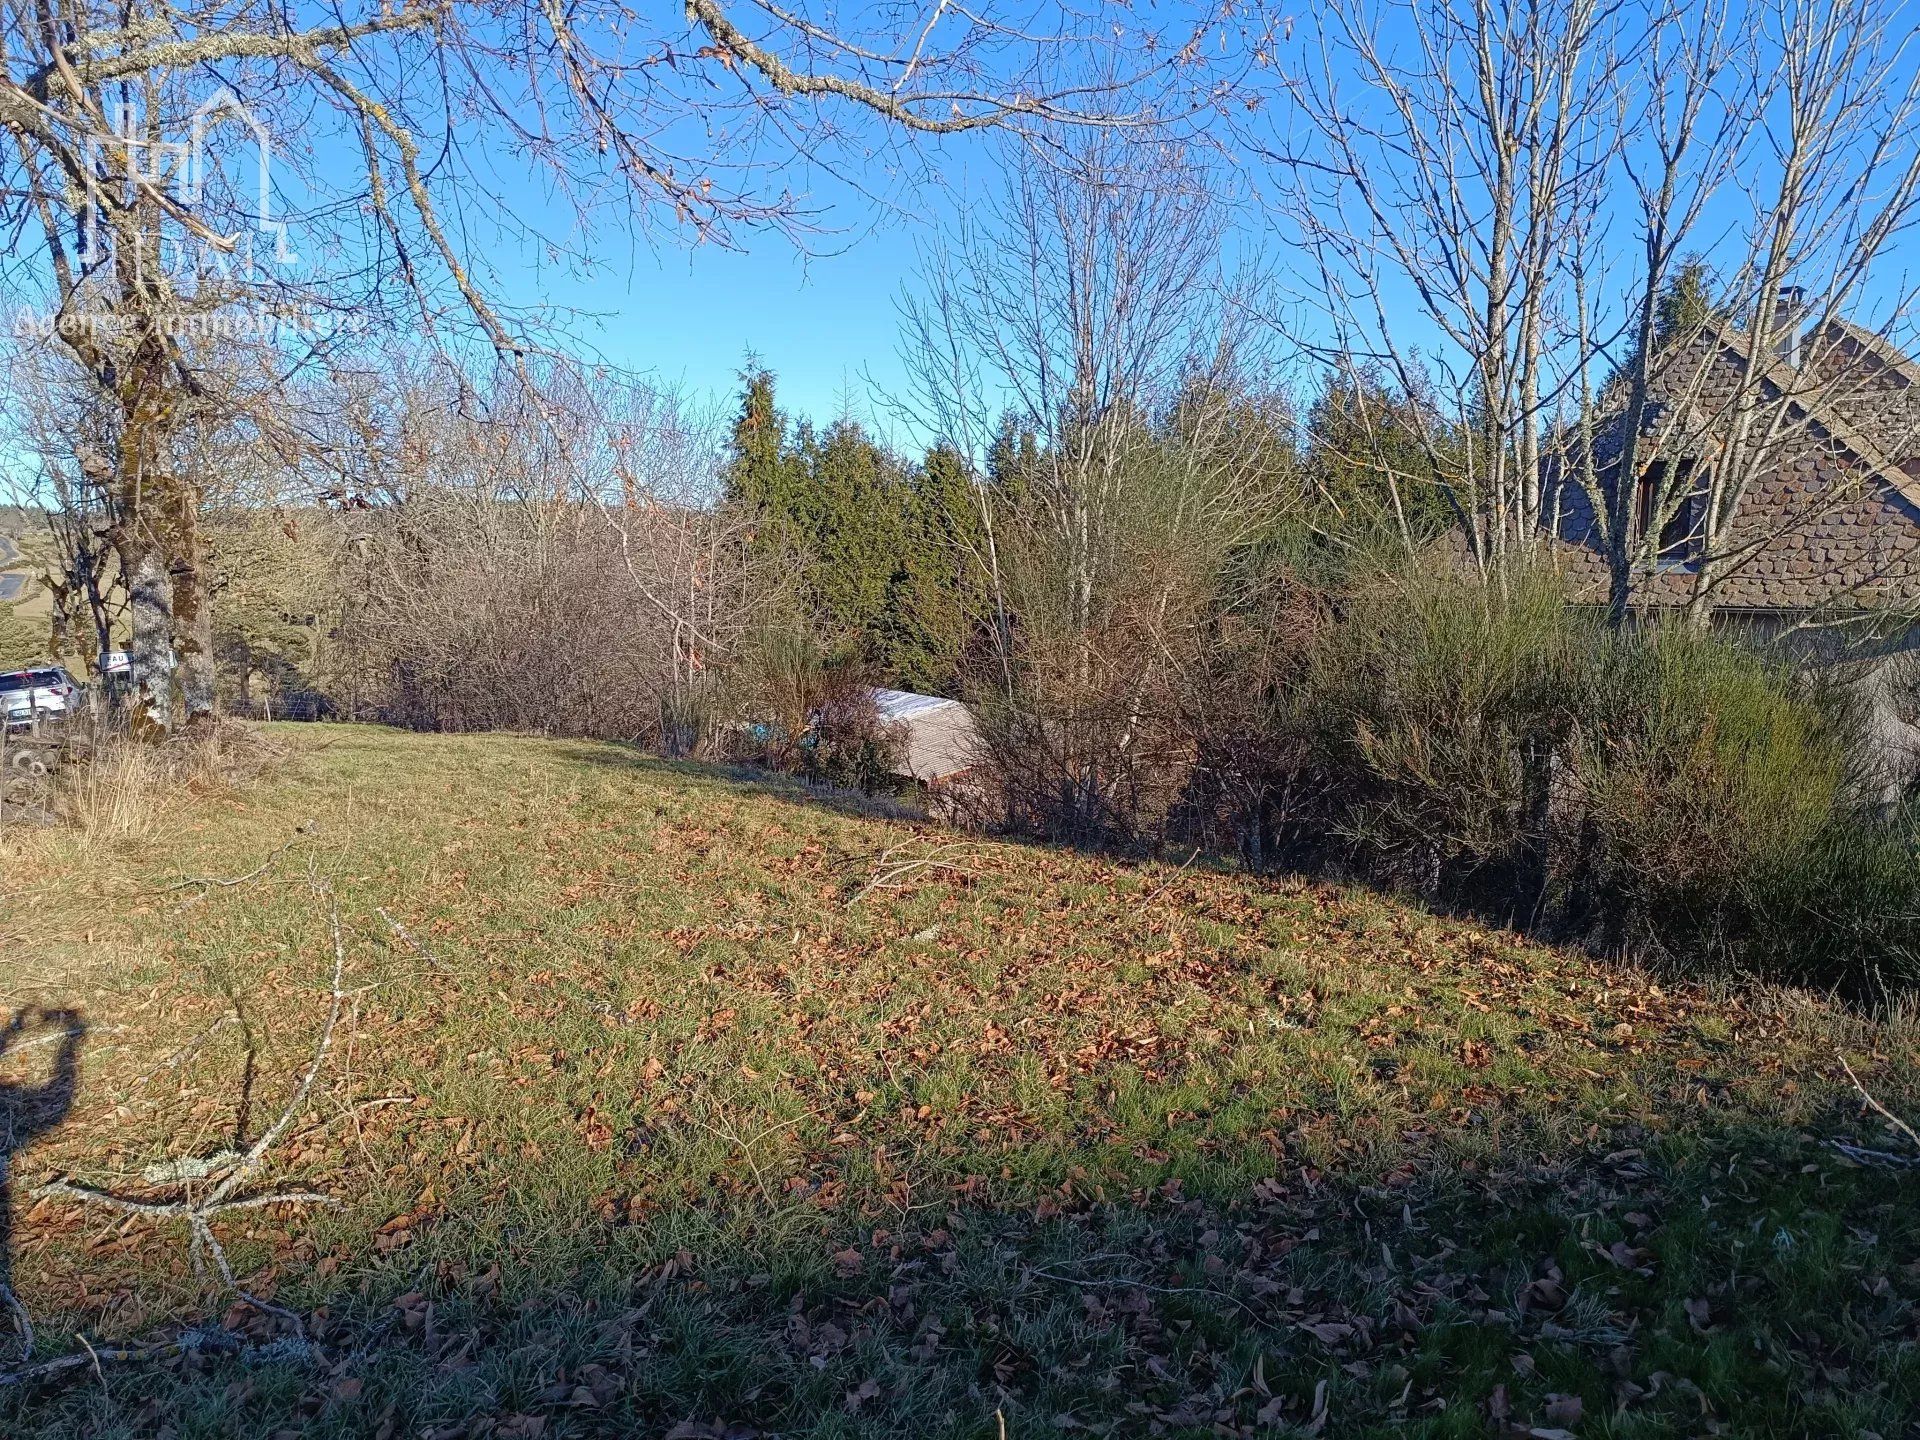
<point>1050,976</point>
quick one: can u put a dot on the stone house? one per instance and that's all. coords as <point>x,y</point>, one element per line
<point>1829,528</point>
<point>1824,556</point>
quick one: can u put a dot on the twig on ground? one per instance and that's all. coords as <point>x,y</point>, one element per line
<point>94,1355</point>
<point>1124,1284</point>
<point>1162,888</point>
<point>890,870</point>
<point>199,1211</point>
<point>730,1133</point>
<point>412,944</point>
<point>1892,1119</point>
<point>22,1322</point>
<point>187,1051</point>
<point>215,882</point>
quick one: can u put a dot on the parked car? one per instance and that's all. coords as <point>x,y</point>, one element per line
<point>42,693</point>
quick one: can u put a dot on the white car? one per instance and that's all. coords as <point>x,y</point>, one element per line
<point>43,693</point>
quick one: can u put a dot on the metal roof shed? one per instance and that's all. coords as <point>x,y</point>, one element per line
<point>941,739</point>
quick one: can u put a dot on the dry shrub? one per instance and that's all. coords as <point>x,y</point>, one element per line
<point>1255,785</point>
<point>1691,767</point>
<point>114,795</point>
<point>114,789</point>
<point>472,612</point>
<point>1654,791</point>
<point>812,714</point>
<point>1435,704</point>
<point>1098,759</point>
<point>1079,702</point>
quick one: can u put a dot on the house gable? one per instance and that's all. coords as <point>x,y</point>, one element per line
<point>1834,518</point>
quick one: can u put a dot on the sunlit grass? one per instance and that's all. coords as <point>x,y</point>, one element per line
<point>1049,1136</point>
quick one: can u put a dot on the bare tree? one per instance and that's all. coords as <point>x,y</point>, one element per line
<point>1773,171</point>
<point>1500,199</point>
<point>1447,159</point>
<point>550,561</point>
<point>1092,307</point>
<point>1842,126</point>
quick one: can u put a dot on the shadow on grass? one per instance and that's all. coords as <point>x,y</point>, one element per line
<point>30,1110</point>
<point>836,799</point>
<point>1737,1279</point>
<point>1318,1241</point>
<point>1493,897</point>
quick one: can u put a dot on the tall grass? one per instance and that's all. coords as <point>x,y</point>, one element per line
<point>115,796</point>
<point>120,790</point>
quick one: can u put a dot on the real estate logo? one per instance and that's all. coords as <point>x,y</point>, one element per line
<point>220,161</point>
<point>192,203</point>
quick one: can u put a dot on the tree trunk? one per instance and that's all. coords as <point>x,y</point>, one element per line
<point>60,622</point>
<point>150,646</point>
<point>192,612</point>
<point>193,637</point>
<point>1619,582</point>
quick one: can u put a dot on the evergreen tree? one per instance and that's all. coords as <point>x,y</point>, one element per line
<point>1365,442</point>
<point>856,498</point>
<point>764,475</point>
<point>758,445</point>
<point>946,499</point>
<point>887,557</point>
<point>1685,305</point>
<point>1012,460</point>
<point>934,595</point>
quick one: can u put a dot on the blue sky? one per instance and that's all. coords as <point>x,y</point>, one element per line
<point>820,307</point>
<point>821,314</point>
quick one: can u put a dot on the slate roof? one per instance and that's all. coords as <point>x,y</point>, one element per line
<point>1835,519</point>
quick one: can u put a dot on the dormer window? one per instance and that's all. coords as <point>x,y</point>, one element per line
<point>1679,543</point>
<point>1789,318</point>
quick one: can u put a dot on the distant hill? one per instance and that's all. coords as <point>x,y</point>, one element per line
<point>25,606</point>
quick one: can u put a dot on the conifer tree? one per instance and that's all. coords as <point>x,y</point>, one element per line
<point>857,499</point>
<point>1370,463</point>
<point>935,596</point>
<point>757,474</point>
<point>1685,305</point>
<point>1012,459</point>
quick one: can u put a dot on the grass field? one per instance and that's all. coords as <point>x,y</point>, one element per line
<point>664,1104</point>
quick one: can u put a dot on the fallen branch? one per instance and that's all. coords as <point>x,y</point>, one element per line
<point>1892,1119</point>
<point>92,1355</point>
<point>235,1168</point>
<point>890,872</point>
<point>215,882</point>
<point>203,1339</point>
<point>174,1209</point>
<point>406,937</point>
<point>1866,1154</point>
